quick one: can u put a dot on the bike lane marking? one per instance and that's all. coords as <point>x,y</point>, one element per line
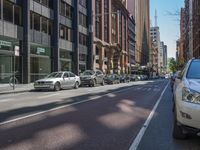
<point>141,133</point>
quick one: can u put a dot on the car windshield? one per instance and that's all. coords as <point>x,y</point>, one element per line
<point>86,73</point>
<point>194,70</point>
<point>55,75</point>
<point>111,76</point>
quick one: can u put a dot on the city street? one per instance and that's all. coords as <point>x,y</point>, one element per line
<point>104,117</point>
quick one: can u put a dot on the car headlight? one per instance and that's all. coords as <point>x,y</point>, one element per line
<point>191,96</point>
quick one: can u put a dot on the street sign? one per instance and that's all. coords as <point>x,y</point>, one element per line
<point>16,49</point>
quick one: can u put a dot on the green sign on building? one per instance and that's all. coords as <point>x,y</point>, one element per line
<point>5,45</point>
<point>40,50</point>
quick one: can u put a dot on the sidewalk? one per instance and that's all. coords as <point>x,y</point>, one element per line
<point>7,89</point>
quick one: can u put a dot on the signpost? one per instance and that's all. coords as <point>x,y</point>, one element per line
<point>16,53</point>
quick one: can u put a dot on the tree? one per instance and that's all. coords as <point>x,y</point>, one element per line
<point>173,65</point>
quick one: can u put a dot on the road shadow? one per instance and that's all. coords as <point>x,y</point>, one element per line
<point>109,122</point>
<point>158,135</point>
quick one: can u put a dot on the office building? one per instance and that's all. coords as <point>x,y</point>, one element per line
<point>43,36</point>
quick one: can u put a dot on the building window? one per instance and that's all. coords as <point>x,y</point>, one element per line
<point>82,67</point>
<point>44,25</point>
<point>82,57</point>
<point>18,15</point>
<point>82,39</point>
<point>68,11</point>
<point>82,19</point>
<point>62,32</point>
<point>65,54</point>
<point>43,2</point>
<point>50,27</point>
<point>36,22</point>
<point>83,3</point>
<point>66,33</point>
<point>98,19</point>
<point>120,29</point>
<point>124,33</point>
<point>65,9</point>
<point>97,50</point>
<point>62,8</point>
<point>40,23</point>
<point>8,11</point>
<point>40,67</point>
<point>106,20</point>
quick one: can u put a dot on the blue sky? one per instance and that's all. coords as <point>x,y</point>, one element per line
<point>169,25</point>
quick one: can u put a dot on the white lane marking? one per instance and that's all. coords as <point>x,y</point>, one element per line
<point>57,108</point>
<point>47,96</point>
<point>138,138</point>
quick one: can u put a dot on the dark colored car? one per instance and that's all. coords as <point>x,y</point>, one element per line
<point>92,78</point>
<point>124,78</point>
<point>133,77</point>
<point>112,79</point>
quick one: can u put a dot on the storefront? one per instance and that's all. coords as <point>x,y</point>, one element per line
<point>40,61</point>
<point>65,60</point>
<point>9,51</point>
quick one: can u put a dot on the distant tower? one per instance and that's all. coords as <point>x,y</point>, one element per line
<point>156,18</point>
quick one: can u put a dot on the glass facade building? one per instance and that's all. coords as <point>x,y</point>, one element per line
<point>41,36</point>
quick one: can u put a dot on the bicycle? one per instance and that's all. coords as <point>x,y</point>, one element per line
<point>13,81</point>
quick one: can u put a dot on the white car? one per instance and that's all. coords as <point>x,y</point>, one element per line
<point>187,101</point>
<point>57,81</point>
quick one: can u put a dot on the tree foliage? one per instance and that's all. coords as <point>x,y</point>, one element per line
<point>173,65</point>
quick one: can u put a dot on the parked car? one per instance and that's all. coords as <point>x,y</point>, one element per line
<point>173,78</point>
<point>124,78</point>
<point>187,101</point>
<point>138,78</point>
<point>92,78</point>
<point>112,79</point>
<point>133,77</point>
<point>57,81</point>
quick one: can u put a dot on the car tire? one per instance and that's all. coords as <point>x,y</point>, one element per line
<point>103,83</point>
<point>94,83</point>
<point>178,132</point>
<point>57,86</point>
<point>76,85</point>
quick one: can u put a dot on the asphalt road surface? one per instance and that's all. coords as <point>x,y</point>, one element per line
<point>100,118</point>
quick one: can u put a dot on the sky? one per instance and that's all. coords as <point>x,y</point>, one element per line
<point>169,24</point>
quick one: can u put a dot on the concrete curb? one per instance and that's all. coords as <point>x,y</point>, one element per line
<point>14,92</point>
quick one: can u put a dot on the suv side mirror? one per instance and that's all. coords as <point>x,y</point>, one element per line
<point>179,75</point>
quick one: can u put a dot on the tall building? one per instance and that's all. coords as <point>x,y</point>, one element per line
<point>140,10</point>
<point>165,54</point>
<point>182,57</point>
<point>154,57</point>
<point>155,35</point>
<point>190,31</point>
<point>188,27</point>
<point>196,28</point>
<point>161,54</point>
<point>131,43</point>
<point>110,35</point>
<point>41,36</point>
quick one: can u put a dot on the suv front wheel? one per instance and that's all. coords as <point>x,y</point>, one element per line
<point>178,132</point>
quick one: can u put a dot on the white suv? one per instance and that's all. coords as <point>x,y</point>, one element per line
<point>187,101</point>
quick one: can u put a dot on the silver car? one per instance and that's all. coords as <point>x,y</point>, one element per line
<point>57,81</point>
